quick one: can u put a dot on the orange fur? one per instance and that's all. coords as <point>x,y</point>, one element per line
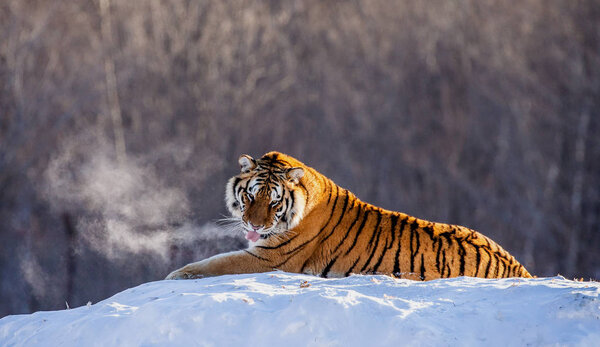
<point>308,224</point>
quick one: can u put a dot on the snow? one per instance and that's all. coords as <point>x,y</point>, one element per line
<point>301,310</point>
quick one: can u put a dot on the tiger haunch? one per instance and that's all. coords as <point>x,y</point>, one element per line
<point>298,220</point>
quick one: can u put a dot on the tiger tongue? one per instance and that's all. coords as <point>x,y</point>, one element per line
<point>252,236</point>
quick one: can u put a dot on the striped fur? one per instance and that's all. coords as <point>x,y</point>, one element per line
<point>308,224</point>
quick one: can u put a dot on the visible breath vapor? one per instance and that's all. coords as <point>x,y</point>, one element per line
<point>122,208</point>
<point>40,282</point>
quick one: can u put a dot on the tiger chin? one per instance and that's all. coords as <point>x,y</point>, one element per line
<point>298,220</point>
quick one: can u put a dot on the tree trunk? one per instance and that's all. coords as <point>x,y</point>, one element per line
<point>111,80</point>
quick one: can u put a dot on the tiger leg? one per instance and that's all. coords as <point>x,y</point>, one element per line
<point>237,262</point>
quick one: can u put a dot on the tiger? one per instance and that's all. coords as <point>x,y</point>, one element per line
<point>297,220</point>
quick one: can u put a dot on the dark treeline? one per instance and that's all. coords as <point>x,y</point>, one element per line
<point>120,122</point>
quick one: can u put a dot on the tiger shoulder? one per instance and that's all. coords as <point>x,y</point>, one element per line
<point>298,220</point>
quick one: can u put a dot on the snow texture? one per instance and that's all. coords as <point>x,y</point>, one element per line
<point>279,308</point>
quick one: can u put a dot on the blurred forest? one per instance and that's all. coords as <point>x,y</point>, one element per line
<point>120,122</point>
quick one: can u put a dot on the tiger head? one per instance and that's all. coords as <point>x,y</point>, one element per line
<point>267,195</point>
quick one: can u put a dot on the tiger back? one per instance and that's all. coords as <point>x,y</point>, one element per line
<point>298,220</point>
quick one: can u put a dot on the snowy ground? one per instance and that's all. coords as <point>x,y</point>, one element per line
<point>281,309</point>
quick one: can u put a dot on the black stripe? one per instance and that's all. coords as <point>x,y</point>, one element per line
<point>429,231</point>
<point>235,183</point>
<point>500,269</point>
<point>342,214</point>
<point>412,236</point>
<point>487,269</point>
<point>305,190</point>
<point>301,246</point>
<point>237,189</point>
<point>438,253</point>
<point>497,266</point>
<point>413,253</point>
<point>503,268</point>
<point>375,247</point>
<point>383,253</point>
<point>487,242</point>
<point>418,246</point>
<point>376,230</point>
<point>279,245</point>
<point>477,261</point>
<point>283,262</point>
<point>290,206</point>
<point>349,228</point>
<point>443,263</point>
<point>366,216</point>
<point>352,268</point>
<point>422,268</point>
<point>304,265</point>
<point>461,252</point>
<point>337,195</point>
<point>254,255</point>
<point>328,267</point>
<point>293,253</point>
<point>397,257</point>
<point>330,186</point>
<point>393,226</point>
<point>449,238</point>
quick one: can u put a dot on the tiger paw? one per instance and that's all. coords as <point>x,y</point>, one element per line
<point>182,275</point>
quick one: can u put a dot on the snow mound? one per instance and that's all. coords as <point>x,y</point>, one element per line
<point>300,310</point>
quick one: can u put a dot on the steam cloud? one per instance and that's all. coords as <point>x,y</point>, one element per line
<point>35,276</point>
<point>125,206</point>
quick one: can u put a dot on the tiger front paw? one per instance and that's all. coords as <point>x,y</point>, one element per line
<point>183,274</point>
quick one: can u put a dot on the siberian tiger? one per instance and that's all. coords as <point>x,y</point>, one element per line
<point>298,220</point>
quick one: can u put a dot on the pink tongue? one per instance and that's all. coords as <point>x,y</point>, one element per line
<point>252,236</point>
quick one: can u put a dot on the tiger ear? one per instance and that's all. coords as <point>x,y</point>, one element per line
<point>247,163</point>
<point>295,174</point>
